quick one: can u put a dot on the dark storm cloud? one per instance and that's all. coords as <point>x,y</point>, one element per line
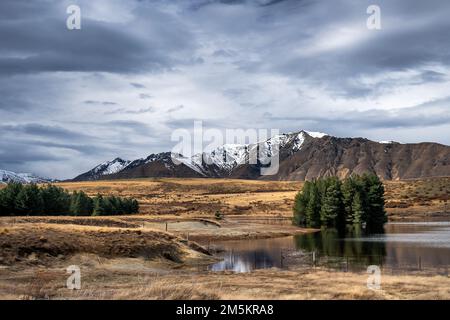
<point>408,39</point>
<point>67,93</point>
<point>14,153</point>
<point>34,129</point>
<point>38,41</point>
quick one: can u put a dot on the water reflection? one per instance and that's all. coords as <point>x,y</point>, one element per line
<point>402,245</point>
<point>247,255</point>
<point>331,243</point>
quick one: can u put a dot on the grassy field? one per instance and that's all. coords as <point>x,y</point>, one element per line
<point>128,278</point>
<point>155,255</point>
<point>414,199</point>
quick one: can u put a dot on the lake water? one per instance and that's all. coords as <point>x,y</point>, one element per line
<point>402,246</point>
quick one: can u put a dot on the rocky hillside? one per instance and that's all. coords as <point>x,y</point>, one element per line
<point>302,156</point>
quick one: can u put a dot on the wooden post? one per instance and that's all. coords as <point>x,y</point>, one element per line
<point>420,263</point>
<point>346,265</point>
<point>314,258</point>
<point>281,258</point>
<point>166,225</point>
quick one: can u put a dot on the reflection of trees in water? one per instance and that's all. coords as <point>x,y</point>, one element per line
<point>332,243</point>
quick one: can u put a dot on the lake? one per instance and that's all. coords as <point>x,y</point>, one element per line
<point>402,246</point>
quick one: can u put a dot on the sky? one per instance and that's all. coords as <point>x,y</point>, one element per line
<point>138,70</point>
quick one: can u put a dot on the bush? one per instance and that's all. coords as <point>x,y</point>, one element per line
<point>218,215</point>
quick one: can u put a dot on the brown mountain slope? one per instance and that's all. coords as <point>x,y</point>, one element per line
<point>301,157</point>
<point>330,156</point>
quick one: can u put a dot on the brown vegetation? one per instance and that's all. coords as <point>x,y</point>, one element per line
<point>138,279</point>
<point>133,257</point>
<point>204,197</point>
<point>27,242</point>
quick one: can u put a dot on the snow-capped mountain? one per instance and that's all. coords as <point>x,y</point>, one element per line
<point>302,155</point>
<point>105,168</point>
<point>220,162</point>
<point>224,159</point>
<point>9,176</point>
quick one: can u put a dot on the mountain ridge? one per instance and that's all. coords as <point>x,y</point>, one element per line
<point>303,155</point>
<point>10,176</point>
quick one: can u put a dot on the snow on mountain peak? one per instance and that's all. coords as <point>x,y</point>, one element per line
<point>223,158</point>
<point>228,156</point>
<point>9,176</point>
<point>315,134</point>
<point>111,167</point>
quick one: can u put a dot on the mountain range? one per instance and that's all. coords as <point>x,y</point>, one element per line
<point>302,155</point>
<point>9,176</point>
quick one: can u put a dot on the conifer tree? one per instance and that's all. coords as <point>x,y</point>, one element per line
<point>357,209</point>
<point>8,197</point>
<point>29,201</point>
<point>332,204</point>
<point>56,201</point>
<point>300,204</point>
<point>99,206</point>
<point>313,207</point>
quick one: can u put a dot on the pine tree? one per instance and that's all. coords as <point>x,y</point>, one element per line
<point>56,201</point>
<point>134,206</point>
<point>29,201</point>
<point>81,204</point>
<point>300,204</point>
<point>348,193</point>
<point>8,197</point>
<point>313,207</point>
<point>332,208</point>
<point>358,209</point>
<point>99,206</point>
<point>376,214</point>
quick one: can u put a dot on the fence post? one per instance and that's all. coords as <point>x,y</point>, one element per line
<point>281,258</point>
<point>314,258</point>
<point>346,265</point>
<point>420,263</point>
<point>166,225</point>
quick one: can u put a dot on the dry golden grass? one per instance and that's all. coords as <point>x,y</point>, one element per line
<point>126,280</point>
<point>132,257</point>
<point>204,197</point>
<point>28,242</point>
<point>199,196</point>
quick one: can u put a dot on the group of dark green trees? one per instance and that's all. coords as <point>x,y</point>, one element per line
<point>30,200</point>
<point>330,202</point>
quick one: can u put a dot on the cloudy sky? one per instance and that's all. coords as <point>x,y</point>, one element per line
<point>138,70</point>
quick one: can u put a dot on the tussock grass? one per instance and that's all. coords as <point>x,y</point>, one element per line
<point>52,240</point>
